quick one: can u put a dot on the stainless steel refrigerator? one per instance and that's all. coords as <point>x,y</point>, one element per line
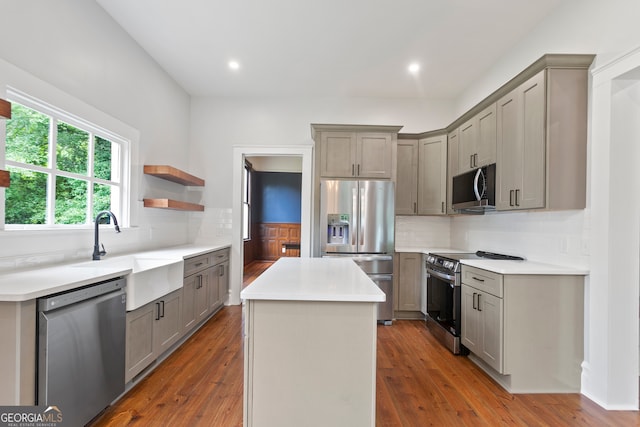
<point>357,219</point>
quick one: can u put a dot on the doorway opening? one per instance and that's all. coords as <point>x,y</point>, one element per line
<point>272,196</point>
<point>241,154</point>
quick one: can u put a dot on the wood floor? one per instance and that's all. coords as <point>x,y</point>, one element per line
<point>419,383</point>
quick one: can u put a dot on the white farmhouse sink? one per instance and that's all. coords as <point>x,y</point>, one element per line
<point>150,278</point>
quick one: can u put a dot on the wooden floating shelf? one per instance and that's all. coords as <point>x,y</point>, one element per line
<point>174,175</point>
<point>172,204</point>
<point>4,178</point>
<point>5,109</point>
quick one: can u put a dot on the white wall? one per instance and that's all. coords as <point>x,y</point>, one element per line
<point>218,124</point>
<point>70,52</point>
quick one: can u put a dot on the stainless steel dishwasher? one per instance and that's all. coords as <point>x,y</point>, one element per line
<point>81,350</point>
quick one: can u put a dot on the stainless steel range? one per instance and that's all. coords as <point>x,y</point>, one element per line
<point>444,294</point>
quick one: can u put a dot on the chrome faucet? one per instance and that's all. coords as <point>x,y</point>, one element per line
<point>97,253</point>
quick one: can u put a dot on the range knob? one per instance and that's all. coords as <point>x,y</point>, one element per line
<point>448,265</point>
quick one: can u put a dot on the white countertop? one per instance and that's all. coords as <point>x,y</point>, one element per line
<point>30,284</point>
<point>314,279</point>
<point>523,267</point>
<point>427,250</point>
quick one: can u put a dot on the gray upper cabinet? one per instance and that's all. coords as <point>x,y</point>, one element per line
<point>338,153</point>
<point>421,181</point>
<point>355,155</point>
<point>407,178</point>
<point>373,155</point>
<point>541,142</point>
<point>520,175</point>
<point>452,167</point>
<point>353,151</point>
<point>477,140</point>
<point>432,175</point>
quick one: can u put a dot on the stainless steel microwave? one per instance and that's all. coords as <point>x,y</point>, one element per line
<point>475,191</point>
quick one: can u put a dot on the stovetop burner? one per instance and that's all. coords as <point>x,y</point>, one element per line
<point>450,261</point>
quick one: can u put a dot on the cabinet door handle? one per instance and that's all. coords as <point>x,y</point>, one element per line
<point>511,197</point>
<point>353,169</point>
<point>475,160</point>
<point>157,311</point>
<point>162,302</point>
<point>221,270</point>
<point>475,305</point>
<point>442,207</point>
<point>470,160</point>
<point>415,207</point>
<point>517,193</point>
<point>358,169</point>
<point>479,306</point>
<point>479,280</point>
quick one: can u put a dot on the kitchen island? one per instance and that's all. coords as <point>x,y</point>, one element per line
<point>310,345</point>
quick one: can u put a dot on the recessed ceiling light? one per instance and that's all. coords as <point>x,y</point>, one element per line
<point>414,67</point>
<point>234,65</point>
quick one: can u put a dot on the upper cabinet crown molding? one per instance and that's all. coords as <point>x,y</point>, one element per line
<point>549,60</point>
<point>5,109</point>
<point>318,127</point>
<point>173,174</point>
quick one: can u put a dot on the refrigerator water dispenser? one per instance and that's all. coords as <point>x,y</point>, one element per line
<point>338,229</point>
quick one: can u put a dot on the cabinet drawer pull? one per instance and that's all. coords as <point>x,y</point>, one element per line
<point>475,278</point>
<point>198,264</point>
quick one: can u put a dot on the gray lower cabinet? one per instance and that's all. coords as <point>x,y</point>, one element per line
<point>195,305</point>
<point>155,327</point>
<point>409,282</point>
<point>218,285</point>
<point>151,330</point>
<point>205,287</point>
<point>525,331</point>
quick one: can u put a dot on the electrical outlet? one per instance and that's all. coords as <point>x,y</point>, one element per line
<point>284,250</point>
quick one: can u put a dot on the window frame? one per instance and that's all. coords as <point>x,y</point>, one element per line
<point>120,168</point>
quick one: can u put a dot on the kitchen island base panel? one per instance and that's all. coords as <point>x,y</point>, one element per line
<point>310,363</point>
<point>18,352</point>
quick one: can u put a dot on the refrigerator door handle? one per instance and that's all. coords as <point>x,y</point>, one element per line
<point>363,216</point>
<point>354,215</point>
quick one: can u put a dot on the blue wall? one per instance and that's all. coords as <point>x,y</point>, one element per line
<point>276,197</point>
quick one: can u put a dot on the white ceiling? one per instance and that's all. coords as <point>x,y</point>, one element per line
<point>327,47</point>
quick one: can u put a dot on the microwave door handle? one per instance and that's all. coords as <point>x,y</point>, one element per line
<point>475,184</point>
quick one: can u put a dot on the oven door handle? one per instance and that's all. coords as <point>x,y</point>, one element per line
<point>441,275</point>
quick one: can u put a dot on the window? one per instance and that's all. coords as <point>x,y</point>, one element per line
<point>63,169</point>
<point>246,201</point>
